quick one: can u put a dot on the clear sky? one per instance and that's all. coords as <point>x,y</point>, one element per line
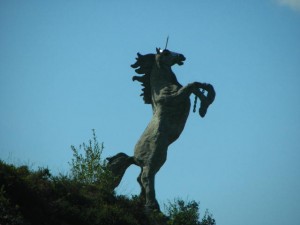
<point>65,69</point>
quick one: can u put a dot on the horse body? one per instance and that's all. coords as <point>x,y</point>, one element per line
<point>171,105</point>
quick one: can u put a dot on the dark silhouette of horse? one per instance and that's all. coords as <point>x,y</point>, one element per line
<point>171,105</point>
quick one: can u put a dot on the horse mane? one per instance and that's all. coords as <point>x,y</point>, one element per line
<point>144,65</point>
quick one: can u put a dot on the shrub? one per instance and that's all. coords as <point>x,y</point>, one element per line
<point>208,219</point>
<point>87,165</point>
<point>187,213</point>
<point>9,213</point>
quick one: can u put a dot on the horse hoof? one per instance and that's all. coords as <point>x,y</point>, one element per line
<point>150,208</point>
<point>211,94</point>
<point>203,108</point>
<point>202,111</point>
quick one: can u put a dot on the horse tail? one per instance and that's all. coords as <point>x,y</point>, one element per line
<point>118,164</point>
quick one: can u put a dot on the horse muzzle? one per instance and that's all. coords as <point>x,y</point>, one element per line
<point>180,59</point>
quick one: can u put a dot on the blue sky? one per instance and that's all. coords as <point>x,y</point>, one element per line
<point>65,69</point>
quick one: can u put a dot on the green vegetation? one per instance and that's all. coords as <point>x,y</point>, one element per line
<point>187,213</point>
<point>83,198</point>
<point>89,167</point>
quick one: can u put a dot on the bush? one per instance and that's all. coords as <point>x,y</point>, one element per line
<point>36,197</point>
<point>88,167</point>
<point>182,213</point>
<point>9,213</point>
<point>208,219</point>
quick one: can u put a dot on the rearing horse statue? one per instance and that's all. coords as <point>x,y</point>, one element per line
<point>171,105</point>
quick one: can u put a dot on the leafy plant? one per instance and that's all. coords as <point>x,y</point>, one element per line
<point>9,213</point>
<point>208,219</point>
<point>187,213</point>
<point>88,167</point>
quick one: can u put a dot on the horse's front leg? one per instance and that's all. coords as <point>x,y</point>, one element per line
<point>194,88</point>
<point>205,100</point>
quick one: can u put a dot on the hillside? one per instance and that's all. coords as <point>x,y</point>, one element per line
<point>39,198</point>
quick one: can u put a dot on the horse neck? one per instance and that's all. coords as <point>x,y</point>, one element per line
<point>162,77</point>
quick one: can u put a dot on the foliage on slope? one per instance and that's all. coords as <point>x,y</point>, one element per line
<point>28,197</point>
<point>84,197</point>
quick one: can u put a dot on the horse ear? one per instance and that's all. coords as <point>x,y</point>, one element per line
<point>158,50</point>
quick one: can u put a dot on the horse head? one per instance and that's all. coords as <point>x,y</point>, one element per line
<point>167,58</point>
<point>144,65</point>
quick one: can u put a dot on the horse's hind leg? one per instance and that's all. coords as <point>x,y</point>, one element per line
<point>147,180</point>
<point>139,180</point>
